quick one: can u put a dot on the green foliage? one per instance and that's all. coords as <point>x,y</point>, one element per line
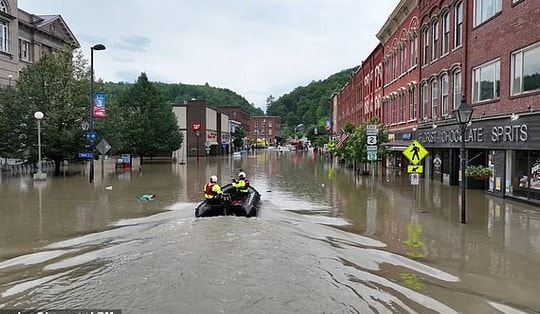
<point>355,148</point>
<point>237,137</point>
<point>142,123</point>
<point>309,105</point>
<point>478,172</point>
<point>58,86</point>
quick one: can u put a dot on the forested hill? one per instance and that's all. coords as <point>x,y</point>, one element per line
<point>308,105</point>
<point>177,93</point>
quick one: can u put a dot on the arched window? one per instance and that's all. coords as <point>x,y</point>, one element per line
<point>4,28</point>
<point>4,7</point>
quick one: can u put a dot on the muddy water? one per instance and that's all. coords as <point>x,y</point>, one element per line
<point>326,241</point>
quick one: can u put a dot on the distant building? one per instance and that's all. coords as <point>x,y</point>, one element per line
<point>238,114</point>
<point>265,130</point>
<point>205,130</point>
<point>26,37</point>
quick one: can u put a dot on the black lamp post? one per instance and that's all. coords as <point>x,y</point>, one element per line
<point>463,116</point>
<point>91,110</point>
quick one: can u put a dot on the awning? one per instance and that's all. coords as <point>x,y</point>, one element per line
<point>397,146</point>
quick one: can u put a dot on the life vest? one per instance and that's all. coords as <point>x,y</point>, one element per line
<point>209,190</point>
<point>245,188</point>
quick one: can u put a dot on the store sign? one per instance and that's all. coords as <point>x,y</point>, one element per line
<point>507,134</point>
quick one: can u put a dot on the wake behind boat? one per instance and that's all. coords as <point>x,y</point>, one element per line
<point>231,204</point>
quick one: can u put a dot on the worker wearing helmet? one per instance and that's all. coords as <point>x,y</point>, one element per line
<point>212,190</point>
<point>241,184</point>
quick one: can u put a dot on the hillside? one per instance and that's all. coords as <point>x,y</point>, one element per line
<point>308,105</point>
<point>177,93</point>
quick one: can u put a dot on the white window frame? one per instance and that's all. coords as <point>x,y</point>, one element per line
<point>413,111</point>
<point>457,89</point>
<point>425,41</point>
<point>24,49</point>
<point>444,94</point>
<point>404,59</point>
<point>445,45</point>
<point>403,107</point>
<point>488,71</point>
<point>434,99</point>
<point>523,61</point>
<point>485,9</point>
<point>435,40</point>
<point>425,100</point>
<point>4,36</point>
<point>458,28</point>
<point>414,51</point>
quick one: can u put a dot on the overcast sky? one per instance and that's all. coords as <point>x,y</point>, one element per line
<point>255,48</point>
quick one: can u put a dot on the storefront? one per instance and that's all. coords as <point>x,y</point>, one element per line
<point>509,146</point>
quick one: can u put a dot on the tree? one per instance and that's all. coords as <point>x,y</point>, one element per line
<point>237,137</point>
<point>146,122</point>
<point>56,85</point>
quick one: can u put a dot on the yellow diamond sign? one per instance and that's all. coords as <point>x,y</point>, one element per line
<point>415,152</point>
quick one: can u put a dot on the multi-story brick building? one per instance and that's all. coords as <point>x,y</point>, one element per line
<point>205,130</point>
<point>25,37</point>
<point>265,130</point>
<point>399,76</point>
<point>239,115</point>
<point>484,52</point>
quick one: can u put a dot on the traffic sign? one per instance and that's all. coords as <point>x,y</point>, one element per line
<point>196,126</point>
<point>86,155</point>
<point>372,155</point>
<point>415,152</point>
<point>371,129</point>
<point>415,169</point>
<point>415,179</point>
<point>103,147</point>
<point>372,139</point>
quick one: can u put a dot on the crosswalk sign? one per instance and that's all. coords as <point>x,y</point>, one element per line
<point>415,152</point>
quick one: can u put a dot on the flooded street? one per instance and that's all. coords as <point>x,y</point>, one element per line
<point>325,241</point>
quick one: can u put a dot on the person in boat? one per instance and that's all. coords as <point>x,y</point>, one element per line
<point>241,184</point>
<point>212,191</point>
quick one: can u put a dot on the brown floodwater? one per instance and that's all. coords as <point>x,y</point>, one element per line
<point>325,241</point>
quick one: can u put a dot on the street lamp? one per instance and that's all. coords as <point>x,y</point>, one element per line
<point>39,176</point>
<point>91,110</point>
<point>463,116</point>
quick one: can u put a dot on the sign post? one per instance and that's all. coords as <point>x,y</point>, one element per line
<point>371,147</point>
<point>415,153</point>
<point>196,127</point>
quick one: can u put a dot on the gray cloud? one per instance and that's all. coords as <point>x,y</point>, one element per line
<point>133,43</point>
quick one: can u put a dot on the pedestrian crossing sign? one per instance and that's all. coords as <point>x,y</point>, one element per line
<point>415,152</point>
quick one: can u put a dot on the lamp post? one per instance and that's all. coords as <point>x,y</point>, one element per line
<point>91,110</point>
<point>463,116</point>
<point>39,176</point>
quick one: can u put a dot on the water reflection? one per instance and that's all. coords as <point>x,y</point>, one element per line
<point>379,236</point>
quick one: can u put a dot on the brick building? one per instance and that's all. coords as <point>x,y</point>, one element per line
<point>485,52</point>
<point>265,130</point>
<point>205,130</point>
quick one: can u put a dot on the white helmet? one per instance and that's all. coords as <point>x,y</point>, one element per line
<point>213,179</point>
<point>242,175</point>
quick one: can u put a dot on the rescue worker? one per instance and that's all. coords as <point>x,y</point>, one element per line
<point>212,191</point>
<point>241,184</point>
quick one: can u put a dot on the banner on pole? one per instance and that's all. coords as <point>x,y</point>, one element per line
<point>99,105</point>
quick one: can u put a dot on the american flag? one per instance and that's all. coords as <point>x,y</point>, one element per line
<point>342,138</point>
